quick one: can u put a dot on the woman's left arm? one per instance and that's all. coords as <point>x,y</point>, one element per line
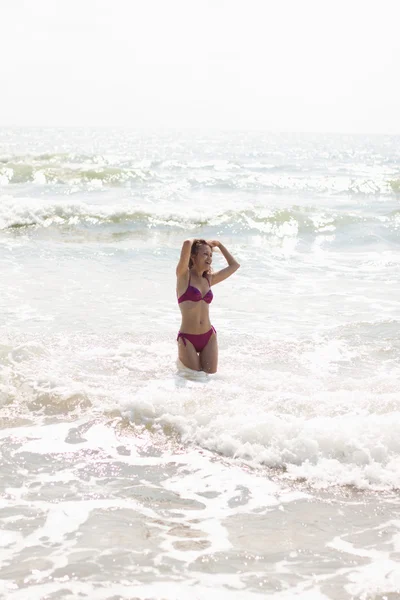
<point>233,265</point>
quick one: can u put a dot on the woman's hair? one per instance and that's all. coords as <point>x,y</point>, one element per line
<point>194,250</point>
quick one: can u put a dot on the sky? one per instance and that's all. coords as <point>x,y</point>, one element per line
<point>277,65</point>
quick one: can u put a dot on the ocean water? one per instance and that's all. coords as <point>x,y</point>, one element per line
<point>125,476</point>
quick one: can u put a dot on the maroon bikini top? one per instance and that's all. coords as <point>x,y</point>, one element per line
<point>194,295</point>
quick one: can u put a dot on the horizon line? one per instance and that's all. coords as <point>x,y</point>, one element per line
<point>171,128</point>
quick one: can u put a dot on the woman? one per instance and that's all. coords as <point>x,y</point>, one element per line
<point>197,339</point>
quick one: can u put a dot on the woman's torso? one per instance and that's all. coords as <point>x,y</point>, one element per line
<point>194,297</point>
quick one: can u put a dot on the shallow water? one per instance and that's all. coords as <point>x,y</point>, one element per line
<point>125,475</point>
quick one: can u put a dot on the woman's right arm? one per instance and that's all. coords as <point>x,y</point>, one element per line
<point>183,264</point>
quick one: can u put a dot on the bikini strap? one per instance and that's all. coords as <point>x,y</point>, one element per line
<point>181,335</point>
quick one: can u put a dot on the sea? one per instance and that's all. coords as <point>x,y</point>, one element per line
<point>124,475</point>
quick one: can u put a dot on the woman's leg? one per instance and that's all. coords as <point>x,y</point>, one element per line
<point>209,355</point>
<point>188,355</point>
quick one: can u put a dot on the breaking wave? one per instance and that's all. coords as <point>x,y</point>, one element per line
<point>42,213</point>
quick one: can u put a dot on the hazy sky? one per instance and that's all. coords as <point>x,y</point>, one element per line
<point>286,65</point>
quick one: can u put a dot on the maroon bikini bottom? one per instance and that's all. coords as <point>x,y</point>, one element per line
<point>199,340</point>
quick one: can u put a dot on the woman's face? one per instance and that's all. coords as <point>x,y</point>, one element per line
<point>203,258</point>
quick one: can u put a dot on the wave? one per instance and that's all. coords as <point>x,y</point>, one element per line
<point>13,173</point>
<point>88,171</point>
<point>324,435</point>
<point>339,447</point>
<point>18,213</point>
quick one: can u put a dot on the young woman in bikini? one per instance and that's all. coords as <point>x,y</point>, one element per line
<point>197,339</point>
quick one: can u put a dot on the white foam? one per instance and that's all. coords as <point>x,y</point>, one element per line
<point>218,587</point>
<point>226,484</point>
<point>353,448</point>
<point>381,576</point>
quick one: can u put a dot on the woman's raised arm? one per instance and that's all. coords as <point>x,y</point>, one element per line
<point>183,263</point>
<point>233,264</point>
